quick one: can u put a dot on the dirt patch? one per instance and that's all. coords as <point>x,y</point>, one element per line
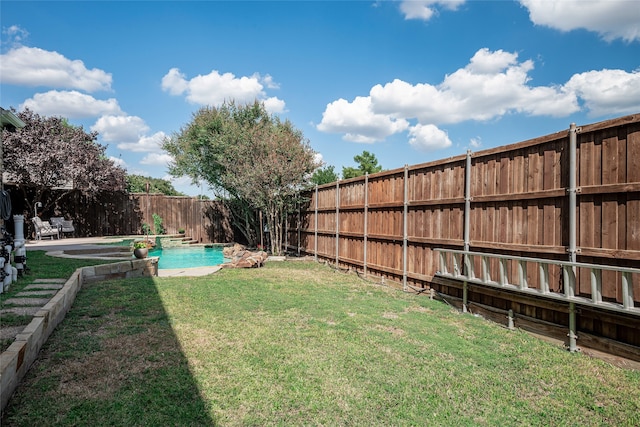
<point>21,311</point>
<point>27,301</point>
<point>42,286</point>
<point>10,332</point>
<point>120,360</point>
<point>398,332</point>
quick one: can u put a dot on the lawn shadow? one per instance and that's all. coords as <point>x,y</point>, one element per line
<point>114,360</point>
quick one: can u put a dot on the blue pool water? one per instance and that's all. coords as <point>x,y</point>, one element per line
<point>189,257</point>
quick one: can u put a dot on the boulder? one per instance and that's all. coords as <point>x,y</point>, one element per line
<point>230,251</point>
<point>247,259</point>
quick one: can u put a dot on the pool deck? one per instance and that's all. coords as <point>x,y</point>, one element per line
<point>99,248</point>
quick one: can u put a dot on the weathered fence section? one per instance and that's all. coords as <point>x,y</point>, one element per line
<point>120,214</point>
<point>205,221</point>
<point>571,196</point>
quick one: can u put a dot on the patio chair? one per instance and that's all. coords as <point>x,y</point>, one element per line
<point>44,229</point>
<point>64,225</point>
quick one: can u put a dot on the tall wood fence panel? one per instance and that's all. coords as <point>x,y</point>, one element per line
<point>204,221</point>
<point>539,198</point>
<point>121,214</point>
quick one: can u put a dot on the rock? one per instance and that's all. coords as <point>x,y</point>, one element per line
<point>247,259</point>
<point>230,251</point>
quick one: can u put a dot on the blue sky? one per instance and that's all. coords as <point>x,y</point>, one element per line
<point>410,81</point>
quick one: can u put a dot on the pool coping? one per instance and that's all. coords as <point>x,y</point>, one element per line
<point>95,248</point>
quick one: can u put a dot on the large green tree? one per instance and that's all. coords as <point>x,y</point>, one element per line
<point>251,156</point>
<point>138,184</point>
<point>324,175</point>
<point>367,163</point>
<point>49,153</point>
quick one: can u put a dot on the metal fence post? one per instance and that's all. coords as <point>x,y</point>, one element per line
<point>315,240</point>
<point>299,226</point>
<point>337,223</point>
<point>467,201</point>
<point>573,130</point>
<point>405,236</point>
<point>366,224</point>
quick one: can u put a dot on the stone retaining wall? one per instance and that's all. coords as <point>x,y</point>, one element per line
<point>17,359</point>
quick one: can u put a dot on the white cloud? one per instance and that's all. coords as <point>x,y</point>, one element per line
<point>122,129</point>
<point>32,66</point>
<point>70,104</point>
<point>274,105</point>
<point>145,144</point>
<point>118,162</point>
<point>158,159</point>
<point>174,82</point>
<point>16,34</point>
<point>611,19</point>
<point>493,84</point>
<point>425,9</point>
<point>183,181</point>
<point>428,138</point>
<point>215,88</point>
<point>608,92</point>
<point>358,122</point>
<point>475,142</point>
<point>268,81</point>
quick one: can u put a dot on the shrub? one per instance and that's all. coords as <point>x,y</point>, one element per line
<point>157,224</point>
<point>146,228</point>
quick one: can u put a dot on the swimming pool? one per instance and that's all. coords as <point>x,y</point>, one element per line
<point>188,257</point>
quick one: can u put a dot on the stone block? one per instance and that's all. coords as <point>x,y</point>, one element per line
<point>11,362</point>
<point>36,326</point>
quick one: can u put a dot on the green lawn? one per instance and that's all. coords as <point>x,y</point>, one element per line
<point>40,266</point>
<point>298,344</point>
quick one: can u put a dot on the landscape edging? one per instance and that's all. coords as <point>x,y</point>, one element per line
<point>16,360</point>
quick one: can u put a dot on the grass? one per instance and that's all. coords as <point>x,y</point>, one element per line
<point>298,344</point>
<point>40,266</point>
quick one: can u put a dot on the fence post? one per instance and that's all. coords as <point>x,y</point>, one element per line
<point>286,232</point>
<point>366,224</point>
<point>299,226</point>
<point>572,190</point>
<point>337,223</point>
<point>405,237</point>
<point>467,201</point>
<point>315,240</point>
<point>467,221</point>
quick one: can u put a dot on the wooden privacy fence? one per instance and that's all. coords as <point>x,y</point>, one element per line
<point>205,221</point>
<point>121,214</point>
<point>570,196</point>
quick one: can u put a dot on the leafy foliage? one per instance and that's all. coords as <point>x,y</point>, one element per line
<point>367,163</point>
<point>138,184</point>
<point>248,154</point>
<point>157,224</point>
<point>50,153</point>
<point>324,175</point>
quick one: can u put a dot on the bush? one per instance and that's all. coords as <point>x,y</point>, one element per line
<point>146,228</point>
<point>157,224</point>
